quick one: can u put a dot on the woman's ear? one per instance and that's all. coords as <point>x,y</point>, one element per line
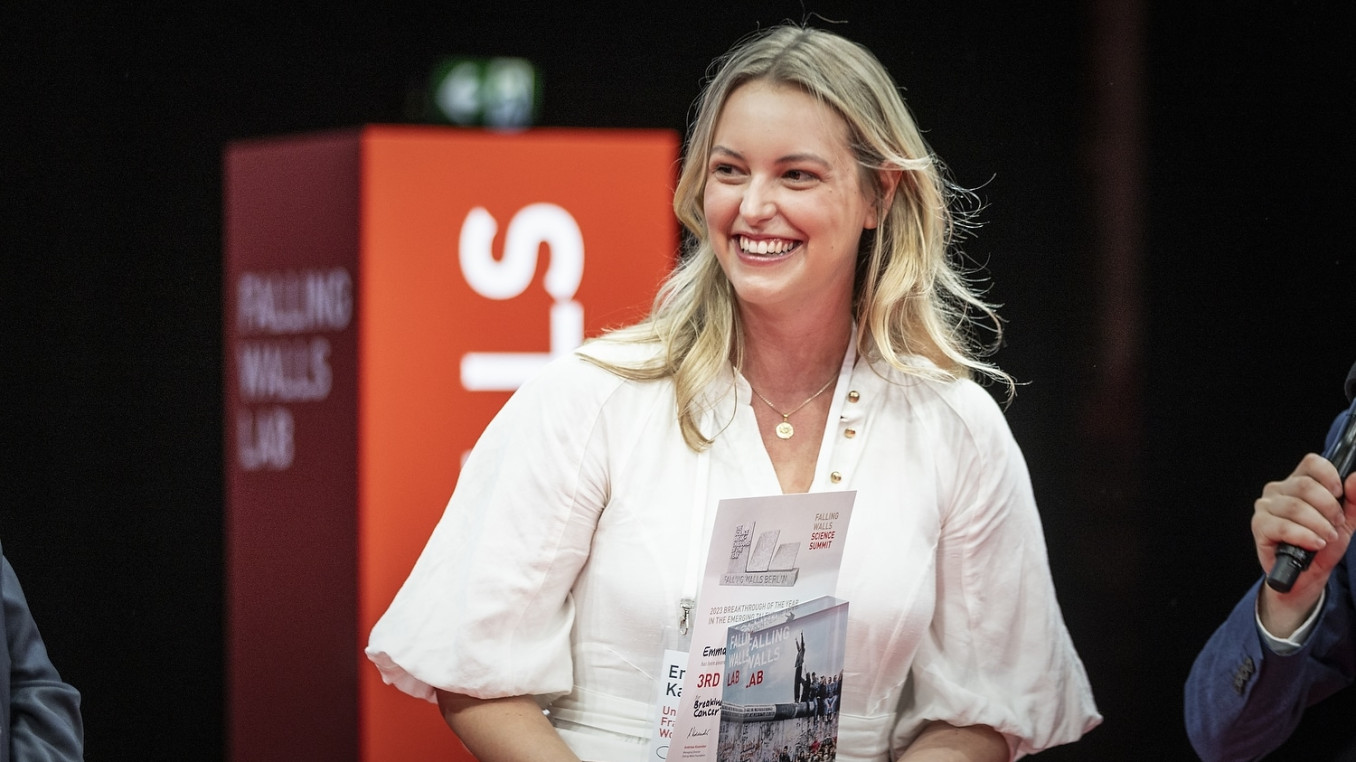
<point>889,182</point>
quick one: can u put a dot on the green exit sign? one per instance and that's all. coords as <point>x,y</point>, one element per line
<point>503,93</point>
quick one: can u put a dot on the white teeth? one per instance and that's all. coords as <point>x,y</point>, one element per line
<point>765,247</point>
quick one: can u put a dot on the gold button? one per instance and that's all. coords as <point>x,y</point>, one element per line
<point>850,433</point>
<point>853,396</point>
<point>836,476</point>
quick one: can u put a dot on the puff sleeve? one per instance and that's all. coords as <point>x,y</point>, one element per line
<point>997,652</point>
<point>487,610</point>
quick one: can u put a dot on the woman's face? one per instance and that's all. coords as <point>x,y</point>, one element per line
<point>784,202</point>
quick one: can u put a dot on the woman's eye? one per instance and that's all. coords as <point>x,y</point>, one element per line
<point>727,173</point>
<point>799,176</point>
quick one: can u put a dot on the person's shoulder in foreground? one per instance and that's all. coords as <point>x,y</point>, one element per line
<point>39,713</point>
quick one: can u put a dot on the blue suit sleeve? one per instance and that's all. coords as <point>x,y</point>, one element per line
<point>44,712</point>
<point>1243,701</point>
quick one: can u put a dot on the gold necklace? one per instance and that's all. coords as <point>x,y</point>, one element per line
<point>784,429</point>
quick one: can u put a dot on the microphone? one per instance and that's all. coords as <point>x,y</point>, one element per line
<point>1290,560</point>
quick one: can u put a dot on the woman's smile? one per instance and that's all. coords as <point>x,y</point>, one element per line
<point>766,247</point>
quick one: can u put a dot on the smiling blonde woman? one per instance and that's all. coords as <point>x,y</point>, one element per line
<point>815,336</point>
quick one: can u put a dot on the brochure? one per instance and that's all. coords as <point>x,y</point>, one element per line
<point>777,556</point>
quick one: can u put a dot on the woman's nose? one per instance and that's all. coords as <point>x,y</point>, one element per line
<point>757,203</point>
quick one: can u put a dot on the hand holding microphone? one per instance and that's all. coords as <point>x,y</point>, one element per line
<point>1291,560</point>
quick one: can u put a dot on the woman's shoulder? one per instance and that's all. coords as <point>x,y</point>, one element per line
<point>589,372</point>
<point>609,351</point>
<point>927,392</point>
<point>923,378</point>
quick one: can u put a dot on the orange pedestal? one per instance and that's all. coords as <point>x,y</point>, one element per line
<point>386,289</point>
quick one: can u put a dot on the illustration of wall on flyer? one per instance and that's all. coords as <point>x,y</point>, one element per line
<point>783,682</point>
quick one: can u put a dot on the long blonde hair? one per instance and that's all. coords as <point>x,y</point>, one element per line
<point>912,297</point>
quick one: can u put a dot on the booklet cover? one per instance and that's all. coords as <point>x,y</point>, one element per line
<point>783,681</point>
<point>768,556</point>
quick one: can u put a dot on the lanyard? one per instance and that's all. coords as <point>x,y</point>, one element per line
<point>698,538</point>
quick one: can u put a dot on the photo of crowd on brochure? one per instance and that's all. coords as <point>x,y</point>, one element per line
<point>783,684</point>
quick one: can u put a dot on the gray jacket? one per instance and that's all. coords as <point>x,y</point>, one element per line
<point>39,714</point>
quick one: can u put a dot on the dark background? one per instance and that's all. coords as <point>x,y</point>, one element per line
<point>1168,227</point>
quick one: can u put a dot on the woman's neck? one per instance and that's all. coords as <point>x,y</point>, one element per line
<point>790,357</point>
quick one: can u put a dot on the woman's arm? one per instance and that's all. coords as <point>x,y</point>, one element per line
<point>940,742</point>
<point>509,729</point>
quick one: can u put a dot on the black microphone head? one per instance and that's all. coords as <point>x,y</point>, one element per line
<point>1351,384</point>
<point>1290,561</point>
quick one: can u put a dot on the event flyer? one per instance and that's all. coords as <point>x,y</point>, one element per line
<point>768,555</point>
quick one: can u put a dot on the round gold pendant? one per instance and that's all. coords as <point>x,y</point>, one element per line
<point>784,430</point>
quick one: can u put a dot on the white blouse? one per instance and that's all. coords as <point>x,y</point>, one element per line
<point>560,560</point>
